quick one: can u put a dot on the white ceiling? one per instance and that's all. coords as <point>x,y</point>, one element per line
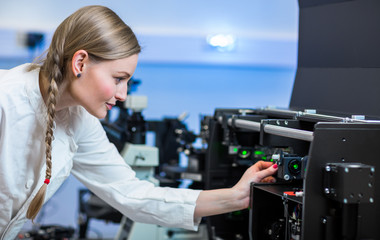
<point>248,18</point>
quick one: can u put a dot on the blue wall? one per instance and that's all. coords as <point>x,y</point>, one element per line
<point>198,89</point>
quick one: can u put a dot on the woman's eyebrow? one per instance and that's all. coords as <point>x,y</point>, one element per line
<point>127,75</point>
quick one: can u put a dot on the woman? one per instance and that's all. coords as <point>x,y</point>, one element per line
<point>49,129</point>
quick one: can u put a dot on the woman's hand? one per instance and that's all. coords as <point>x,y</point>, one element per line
<point>213,202</point>
<point>259,172</point>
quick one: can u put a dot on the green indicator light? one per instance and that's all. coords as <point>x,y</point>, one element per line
<point>235,149</point>
<point>264,158</point>
<point>271,159</point>
<point>295,166</point>
<point>259,153</point>
<point>237,213</point>
<point>244,152</point>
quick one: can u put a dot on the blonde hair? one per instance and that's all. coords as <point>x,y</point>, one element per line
<point>100,32</point>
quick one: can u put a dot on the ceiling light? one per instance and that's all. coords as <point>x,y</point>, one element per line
<point>222,42</point>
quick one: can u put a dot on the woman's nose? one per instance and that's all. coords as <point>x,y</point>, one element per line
<point>121,92</point>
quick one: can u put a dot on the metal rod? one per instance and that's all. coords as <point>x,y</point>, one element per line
<point>289,132</point>
<point>273,129</point>
<point>251,125</point>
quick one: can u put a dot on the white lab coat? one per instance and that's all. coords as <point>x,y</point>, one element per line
<point>80,147</point>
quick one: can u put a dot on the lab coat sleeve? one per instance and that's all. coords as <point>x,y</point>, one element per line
<point>99,166</point>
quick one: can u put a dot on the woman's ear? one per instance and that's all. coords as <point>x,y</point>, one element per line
<point>80,57</point>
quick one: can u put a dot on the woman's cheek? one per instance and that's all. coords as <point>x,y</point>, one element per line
<point>108,91</point>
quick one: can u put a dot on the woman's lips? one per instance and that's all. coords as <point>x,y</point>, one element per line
<point>109,106</point>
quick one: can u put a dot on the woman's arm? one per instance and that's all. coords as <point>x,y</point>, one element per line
<point>218,201</point>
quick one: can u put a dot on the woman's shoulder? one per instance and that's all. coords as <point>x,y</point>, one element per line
<point>16,71</point>
<point>13,83</point>
<point>17,76</point>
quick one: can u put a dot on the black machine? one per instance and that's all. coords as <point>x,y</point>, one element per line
<point>326,177</point>
<point>325,143</point>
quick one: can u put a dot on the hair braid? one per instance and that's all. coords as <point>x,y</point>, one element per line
<point>53,92</point>
<point>37,202</point>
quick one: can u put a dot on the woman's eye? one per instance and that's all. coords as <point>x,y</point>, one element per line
<point>118,79</point>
